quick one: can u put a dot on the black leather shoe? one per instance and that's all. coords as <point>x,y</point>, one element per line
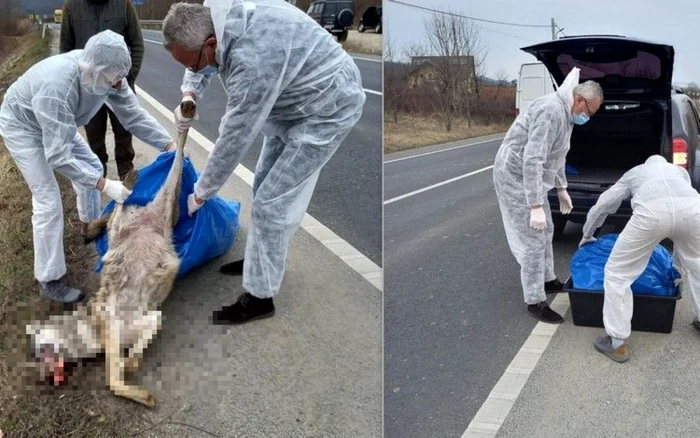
<point>554,286</point>
<point>247,308</point>
<point>544,313</point>
<point>696,324</point>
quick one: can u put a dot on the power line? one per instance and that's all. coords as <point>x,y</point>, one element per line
<point>469,18</point>
<point>506,34</point>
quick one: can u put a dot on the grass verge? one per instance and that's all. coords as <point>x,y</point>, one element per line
<point>368,42</point>
<point>84,408</point>
<point>413,132</point>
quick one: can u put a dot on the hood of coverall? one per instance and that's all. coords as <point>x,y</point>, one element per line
<point>565,92</point>
<point>104,62</point>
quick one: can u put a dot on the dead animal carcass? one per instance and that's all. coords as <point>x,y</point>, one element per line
<point>138,273</point>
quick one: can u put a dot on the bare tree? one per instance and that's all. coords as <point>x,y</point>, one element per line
<point>457,58</point>
<point>395,81</point>
<point>10,13</point>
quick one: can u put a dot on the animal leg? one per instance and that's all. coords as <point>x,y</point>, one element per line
<point>130,179</point>
<point>95,227</point>
<point>115,370</point>
<point>151,325</point>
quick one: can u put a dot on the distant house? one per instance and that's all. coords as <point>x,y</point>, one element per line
<point>433,69</point>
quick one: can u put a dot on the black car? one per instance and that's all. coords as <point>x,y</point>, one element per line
<point>371,19</point>
<point>641,116</point>
<point>336,16</point>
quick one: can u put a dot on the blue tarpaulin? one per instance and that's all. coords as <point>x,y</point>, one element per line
<point>198,239</point>
<point>570,170</point>
<point>588,268</point>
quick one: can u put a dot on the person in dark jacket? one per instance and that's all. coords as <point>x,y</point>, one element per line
<point>81,20</point>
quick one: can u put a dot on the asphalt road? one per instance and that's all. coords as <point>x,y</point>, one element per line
<point>454,315</point>
<point>348,195</point>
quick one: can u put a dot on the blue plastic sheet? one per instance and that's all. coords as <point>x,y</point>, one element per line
<point>198,239</point>
<point>570,170</point>
<point>588,268</point>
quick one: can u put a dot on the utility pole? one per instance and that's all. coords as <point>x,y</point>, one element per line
<point>554,30</point>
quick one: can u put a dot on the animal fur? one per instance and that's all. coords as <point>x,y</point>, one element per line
<point>138,273</point>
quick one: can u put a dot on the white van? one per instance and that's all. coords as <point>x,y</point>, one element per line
<point>534,81</point>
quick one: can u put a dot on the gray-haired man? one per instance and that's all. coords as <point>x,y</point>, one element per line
<point>286,76</point>
<point>529,163</point>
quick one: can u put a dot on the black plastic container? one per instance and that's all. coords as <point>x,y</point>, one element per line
<point>652,313</point>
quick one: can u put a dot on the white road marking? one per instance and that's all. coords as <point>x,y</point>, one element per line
<point>341,248</point>
<point>367,59</point>
<point>434,186</point>
<point>378,93</point>
<point>441,150</point>
<point>495,409</point>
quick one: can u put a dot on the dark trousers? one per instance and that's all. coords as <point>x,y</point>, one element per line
<point>96,131</point>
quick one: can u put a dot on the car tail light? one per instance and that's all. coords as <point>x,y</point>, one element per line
<point>680,152</point>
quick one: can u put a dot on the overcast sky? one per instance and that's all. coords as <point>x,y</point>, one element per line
<point>673,22</point>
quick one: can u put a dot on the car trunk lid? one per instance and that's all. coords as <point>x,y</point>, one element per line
<point>622,66</point>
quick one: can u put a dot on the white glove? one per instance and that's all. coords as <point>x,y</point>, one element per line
<point>586,240</point>
<point>565,205</point>
<point>538,219</point>
<point>183,123</point>
<point>116,190</point>
<point>192,205</point>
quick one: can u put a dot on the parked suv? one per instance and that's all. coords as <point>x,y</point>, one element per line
<point>371,19</point>
<point>641,116</point>
<point>336,16</point>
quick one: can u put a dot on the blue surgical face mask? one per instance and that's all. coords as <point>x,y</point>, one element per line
<point>112,91</point>
<point>580,119</point>
<point>208,70</point>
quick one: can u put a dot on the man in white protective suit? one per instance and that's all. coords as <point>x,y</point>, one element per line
<point>664,205</point>
<point>39,121</point>
<point>529,163</point>
<point>284,76</point>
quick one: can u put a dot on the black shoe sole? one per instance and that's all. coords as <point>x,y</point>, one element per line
<point>216,321</point>
<point>539,318</point>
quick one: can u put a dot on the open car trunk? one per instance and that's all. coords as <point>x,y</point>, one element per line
<point>619,137</point>
<point>634,121</point>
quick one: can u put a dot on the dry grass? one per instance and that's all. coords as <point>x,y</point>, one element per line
<point>413,132</point>
<point>83,408</point>
<point>367,42</point>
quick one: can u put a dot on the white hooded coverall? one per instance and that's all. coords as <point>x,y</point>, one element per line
<point>39,121</point>
<point>664,205</point>
<point>529,163</point>
<point>286,76</point>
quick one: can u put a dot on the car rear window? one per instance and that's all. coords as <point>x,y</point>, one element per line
<point>642,66</point>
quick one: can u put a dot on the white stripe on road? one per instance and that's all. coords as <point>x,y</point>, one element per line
<point>434,186</point>
<point>493,413</point>
<point>441,150</point>
<point>378,93</point>
<point>367,59</point>
<point>346,252</point>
